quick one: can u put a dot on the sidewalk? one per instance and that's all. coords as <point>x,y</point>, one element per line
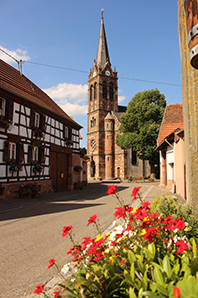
<point>149,192</point>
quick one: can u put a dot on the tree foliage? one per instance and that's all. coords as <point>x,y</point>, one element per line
<point>141,123</point>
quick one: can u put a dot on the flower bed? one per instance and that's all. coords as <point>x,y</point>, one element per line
<point>146,255</point>
<point>29,189</point>
<point>4,123</point>
<point>38,133</point>
<point>14,167</point>
<point>37,169</point>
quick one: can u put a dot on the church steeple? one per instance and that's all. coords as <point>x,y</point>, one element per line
<point>102,54</point>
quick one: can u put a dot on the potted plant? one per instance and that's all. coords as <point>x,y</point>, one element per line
<point>14,167</point>
<point>28,188</point>
<point>4,123</point>
<point>77,168</point>
<point>37,133</point>
<point>37,168</point>
<point>68,142</point>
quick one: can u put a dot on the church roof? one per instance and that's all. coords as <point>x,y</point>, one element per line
<point>12,81</point>
<point>102,53</point>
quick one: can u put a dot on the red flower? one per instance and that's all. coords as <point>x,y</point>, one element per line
<point>92,219</point>
<point>135,192</point>
<point>51,262</point>
<point>181,246</point>
<point>111,189</point>
<point>39,289</point>
<point>176,292</point>
<point>154,215</point>
<point>146,204</point>
<point>123,261</point>
<point>66,230</point>
<point>56,294</point>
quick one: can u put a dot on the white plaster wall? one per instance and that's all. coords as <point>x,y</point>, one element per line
<point>1,144</point>
<point>47,129</point>
<point>16,118</point>
<point>46,171</point>
<point>2,171</point>
<point>169,155</point>
<point>47,161</point>
<point>46,138</point>
<point>16,106</point>
<point>23,131</point>
<point>22,173</point>
<point>52,139</point>
<point>22,120</point>
<point>27,111</point>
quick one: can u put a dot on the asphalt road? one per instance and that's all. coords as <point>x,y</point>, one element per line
<point>30,231</point>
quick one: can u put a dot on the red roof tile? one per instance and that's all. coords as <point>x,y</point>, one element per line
<point>11,79</point>
<point>173,118</point>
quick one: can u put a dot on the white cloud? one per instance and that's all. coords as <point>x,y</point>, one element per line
<point>69,92</point>
<point>17,54</point>
<point>74,108</point>
<point>72,98</point>
<point>121,98</point>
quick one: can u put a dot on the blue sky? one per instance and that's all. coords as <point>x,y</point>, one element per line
<point>142,40</point>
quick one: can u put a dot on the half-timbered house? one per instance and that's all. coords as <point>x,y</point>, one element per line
<point>39,142</point>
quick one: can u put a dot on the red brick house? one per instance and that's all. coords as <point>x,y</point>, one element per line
<point>39,142</point>
<point>107,160</point>
<point>171,147</point>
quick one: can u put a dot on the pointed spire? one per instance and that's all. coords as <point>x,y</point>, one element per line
<point>102,53</point>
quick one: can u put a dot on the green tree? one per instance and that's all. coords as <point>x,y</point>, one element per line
<point>141,123</point>
<point>83,150</point>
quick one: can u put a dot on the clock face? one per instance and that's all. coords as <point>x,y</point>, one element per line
<point>107,72</point>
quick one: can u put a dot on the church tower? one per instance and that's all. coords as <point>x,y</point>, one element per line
<point>102,99</point>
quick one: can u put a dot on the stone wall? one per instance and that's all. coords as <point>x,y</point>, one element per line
<point>189,77</point>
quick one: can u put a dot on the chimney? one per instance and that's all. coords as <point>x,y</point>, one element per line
<point>20,62</point>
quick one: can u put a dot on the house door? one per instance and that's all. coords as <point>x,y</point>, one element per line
<point>118,172</point>
<point>59,171</point>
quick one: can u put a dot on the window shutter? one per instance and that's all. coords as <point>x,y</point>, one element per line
<point>41,155</point>
<point>42,122</point>
<point>63,131</point>
<point>19,152</point>
<point>30,148</point>
<point>9,110</point>
<point>32,117</point>
<point>6,151</point>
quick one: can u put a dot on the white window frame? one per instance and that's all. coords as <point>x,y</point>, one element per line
<point>35,154</point>
<point>37,120</point>
<point>12,151</point>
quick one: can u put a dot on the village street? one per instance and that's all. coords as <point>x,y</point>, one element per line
<point>30,231</point>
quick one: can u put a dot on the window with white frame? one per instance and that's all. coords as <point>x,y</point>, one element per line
<point>66,132</point>
<point>35,154</point>
<point>2,106</point>
<point>12,151</point>
<point>37,120</point>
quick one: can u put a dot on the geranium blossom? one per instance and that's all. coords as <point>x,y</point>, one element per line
<point>135,192</point>
<point>181,246</point>
<point>51,263</point>
<point>111,189</point>
<point>66,230</point>
<point>39,289</point>
<point>92,219</point>
<point>176,292</point>
<point>57,294</point>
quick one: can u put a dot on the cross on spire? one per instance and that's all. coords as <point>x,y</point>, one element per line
<point>102,11</point>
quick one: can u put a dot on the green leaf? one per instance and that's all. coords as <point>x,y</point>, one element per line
<point>167,266</point>
<point>151,294</point>
<point>158,276</point>
<point>148,254</point>
<point>151,248</point>
<point>194,248</point>
<point>131,257</point>
<point>161,289</point>
<point>132,271</point>
<point>132,293</point>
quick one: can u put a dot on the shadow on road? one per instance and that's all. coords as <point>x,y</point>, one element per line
<point>54,203</point>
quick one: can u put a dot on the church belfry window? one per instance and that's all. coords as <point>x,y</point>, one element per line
<point>90,92</point>
<point>95,91</point>
<point>104,89</point>
<point>111,91</point>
